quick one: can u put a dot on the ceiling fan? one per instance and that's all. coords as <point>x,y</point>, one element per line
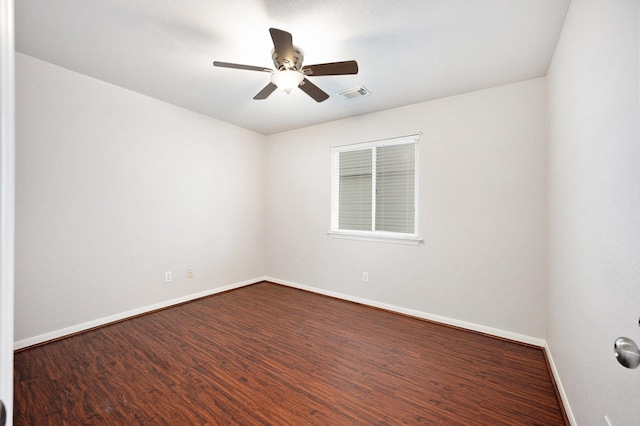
<point>289,72</point>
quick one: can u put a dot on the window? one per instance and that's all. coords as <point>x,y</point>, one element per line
<point>374,190</point>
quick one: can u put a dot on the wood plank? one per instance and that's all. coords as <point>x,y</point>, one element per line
<point>271,355</point>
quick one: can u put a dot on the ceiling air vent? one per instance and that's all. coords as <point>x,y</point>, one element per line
<point>356,92</point>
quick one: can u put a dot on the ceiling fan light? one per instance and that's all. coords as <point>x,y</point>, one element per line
<point>287,80</point>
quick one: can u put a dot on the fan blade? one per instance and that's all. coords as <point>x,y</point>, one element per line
<point>264,93</point>
<point>283,45</point>
<point>332,68</point>
<point>240,66</point>
<point>314,91</point>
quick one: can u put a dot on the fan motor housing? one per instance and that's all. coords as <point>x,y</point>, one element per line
<point>298,57</point>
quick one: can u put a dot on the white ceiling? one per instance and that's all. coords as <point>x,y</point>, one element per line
<point>408,51</point>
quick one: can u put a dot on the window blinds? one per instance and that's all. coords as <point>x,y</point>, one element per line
<point>395,188</point>
<point>356,184</point>
<point>374,187</point>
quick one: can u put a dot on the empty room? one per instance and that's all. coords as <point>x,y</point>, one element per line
<point>331,213</point>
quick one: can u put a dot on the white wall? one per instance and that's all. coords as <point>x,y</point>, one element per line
<point>482,211</point>
<point>595,208</point>
<point>115,188</point>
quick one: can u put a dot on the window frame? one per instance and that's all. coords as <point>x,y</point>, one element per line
<point>373,235</point>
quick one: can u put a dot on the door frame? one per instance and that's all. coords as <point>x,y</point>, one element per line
<point>7,201</point>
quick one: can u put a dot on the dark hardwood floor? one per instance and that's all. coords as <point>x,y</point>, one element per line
<point>271,355</point>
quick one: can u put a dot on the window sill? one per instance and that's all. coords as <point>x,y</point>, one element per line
<point>381,238</point>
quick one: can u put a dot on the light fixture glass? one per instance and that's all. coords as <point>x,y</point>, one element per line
<point>287,80</point>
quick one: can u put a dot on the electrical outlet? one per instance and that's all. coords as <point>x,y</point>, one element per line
<point>189,273</point>
<point>168,277</point>
<point>365,277</point>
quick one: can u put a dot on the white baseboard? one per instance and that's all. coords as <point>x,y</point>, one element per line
<point>20,344</point>
<point>145,309</point>
<point>454,322</point>
<point>563,394</point>
<point>419,314</point>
